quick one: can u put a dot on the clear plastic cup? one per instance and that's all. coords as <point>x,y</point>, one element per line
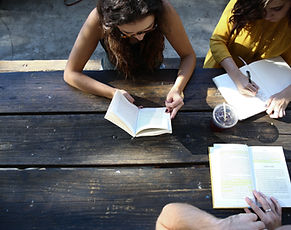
<point>223,117</point>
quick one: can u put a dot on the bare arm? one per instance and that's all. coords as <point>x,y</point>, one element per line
<point>241,81</point>
<point>82,50</point>
<point>177,216</point>
<point>175,33</point>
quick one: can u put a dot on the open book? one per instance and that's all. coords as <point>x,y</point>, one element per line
<point>271,75</point>
<point>138,121</point>
<point>236,170</point>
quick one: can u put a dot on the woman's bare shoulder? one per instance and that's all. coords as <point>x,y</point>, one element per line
<point>167,7</point>
<point>169,17</point>
<point>93,22</point>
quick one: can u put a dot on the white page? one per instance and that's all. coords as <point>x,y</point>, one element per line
<point>124,111</point>
<point>153,118</point>
<point>232,178</point>
<point>274,73</point>
<point>245,106</point>
<point>271,173</point>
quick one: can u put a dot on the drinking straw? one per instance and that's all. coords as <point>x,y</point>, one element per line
<point>224,111</point>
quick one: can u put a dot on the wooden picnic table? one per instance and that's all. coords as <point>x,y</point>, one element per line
<point>63,166</point>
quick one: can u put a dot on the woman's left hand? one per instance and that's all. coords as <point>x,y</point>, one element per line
<point>277,103</point>
<point>174,102</point>
<point>271,214</point>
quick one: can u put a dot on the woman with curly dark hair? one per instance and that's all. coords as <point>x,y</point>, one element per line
<point>132,33</point>
<point>253,30</point>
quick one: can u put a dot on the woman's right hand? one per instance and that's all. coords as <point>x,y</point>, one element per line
<point>241,81</point>
<point>244,86</point>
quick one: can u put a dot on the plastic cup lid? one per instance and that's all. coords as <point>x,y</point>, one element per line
<point>225,116</point>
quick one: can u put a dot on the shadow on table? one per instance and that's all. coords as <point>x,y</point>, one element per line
<point>194,132</point>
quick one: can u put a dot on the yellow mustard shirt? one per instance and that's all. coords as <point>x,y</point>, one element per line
<point>263,40</point>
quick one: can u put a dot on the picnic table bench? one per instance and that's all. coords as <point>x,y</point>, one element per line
<point>63,166</point>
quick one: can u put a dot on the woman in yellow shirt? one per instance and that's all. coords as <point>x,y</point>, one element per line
<point>254,30</point>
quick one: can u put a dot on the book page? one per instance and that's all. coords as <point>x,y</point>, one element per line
<point>271,173</point>
<point>153,121</point>
<point>274,74</point>
<point>245,106</point>
<point>122,113</point>
<point>231,175</point>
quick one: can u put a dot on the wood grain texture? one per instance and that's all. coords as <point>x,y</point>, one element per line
<point>42,92</point>
<point>103,198</point>
<point>89,139</point>
<point>34,92</point>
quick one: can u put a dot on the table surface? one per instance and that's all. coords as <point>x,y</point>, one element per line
<point>63,166</point>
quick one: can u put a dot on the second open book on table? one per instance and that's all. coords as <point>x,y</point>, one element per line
<point>237,169</point>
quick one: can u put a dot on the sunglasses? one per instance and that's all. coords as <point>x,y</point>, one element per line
<point>124,35</point>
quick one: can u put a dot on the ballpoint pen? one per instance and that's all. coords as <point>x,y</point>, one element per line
<point>248,72</point>
<point>249,76</point>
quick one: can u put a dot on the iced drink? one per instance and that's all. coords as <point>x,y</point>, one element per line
<point>223,117</point>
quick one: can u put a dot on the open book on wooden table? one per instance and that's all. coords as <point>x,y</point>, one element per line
<point>271,75</point>
<point>236,170</point>
<point>138,121</point>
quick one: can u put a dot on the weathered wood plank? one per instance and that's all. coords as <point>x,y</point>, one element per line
<point>103,198</point>
<point>89,139</point>
<point>47,92</point>
<point>32,92</point>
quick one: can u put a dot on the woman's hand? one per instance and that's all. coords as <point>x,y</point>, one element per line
<point>174,102</point>
<point>127,95</point>
<point>277,103</point>
<point>272,214</point>
<point>244,86</point>
<point>242,221</point>
<point>241,81</point>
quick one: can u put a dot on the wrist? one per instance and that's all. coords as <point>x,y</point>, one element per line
<point>113,92</point>
<point>235,75</point>
<point>231,68</point>
<point>221,224</point>
<point>214,223</point>
<point>176,89</point>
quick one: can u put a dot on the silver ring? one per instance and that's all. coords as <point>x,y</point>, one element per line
<point>268,210</point>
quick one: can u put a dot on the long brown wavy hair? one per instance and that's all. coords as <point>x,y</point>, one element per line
<point>247,11</point>
<point>131,59</point>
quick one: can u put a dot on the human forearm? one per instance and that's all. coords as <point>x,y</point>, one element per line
<point>88,85</point>
<point>244,85</point>
<point>174,100</point>
<point>186,68</point>
<point>231,68</point>
<point>179,216</point>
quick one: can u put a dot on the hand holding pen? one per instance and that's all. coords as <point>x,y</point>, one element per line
<point>249,87</point>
